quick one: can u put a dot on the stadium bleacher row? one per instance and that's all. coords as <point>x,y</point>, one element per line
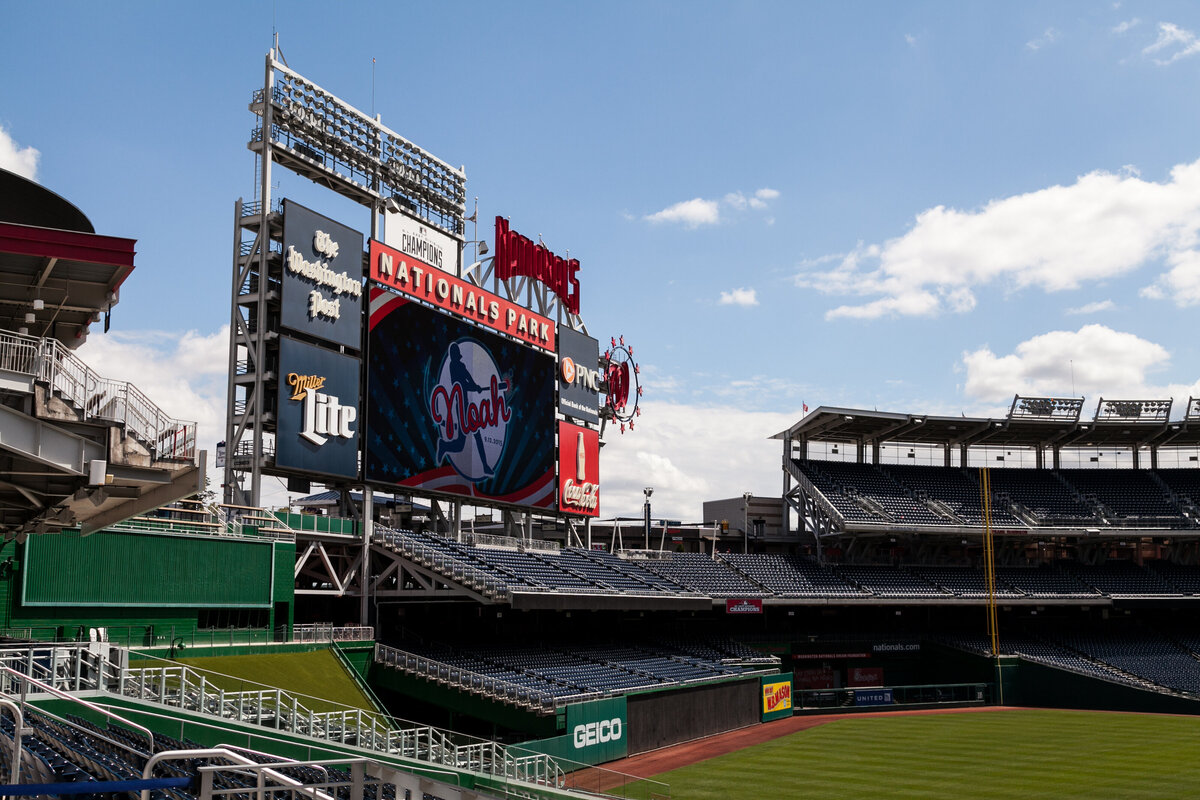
<point>1167,660</point>
<point>564,670</point>
<point>767,575</point>
<point>1021,498</point>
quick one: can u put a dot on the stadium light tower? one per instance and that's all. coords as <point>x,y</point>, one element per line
<point>746,521</point>
<point>649,490</point>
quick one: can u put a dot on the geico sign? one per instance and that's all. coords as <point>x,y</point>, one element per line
<point>608,730</point>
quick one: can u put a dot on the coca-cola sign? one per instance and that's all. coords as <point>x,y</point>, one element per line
<point>578,470</point>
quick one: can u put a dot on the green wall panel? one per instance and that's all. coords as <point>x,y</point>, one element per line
<point>134,569</point>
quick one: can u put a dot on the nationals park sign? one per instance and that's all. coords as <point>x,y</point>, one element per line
<point>401,272</point>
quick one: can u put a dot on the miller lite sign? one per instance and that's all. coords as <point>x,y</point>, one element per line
<point>317,431</point>
<point>578,470</point>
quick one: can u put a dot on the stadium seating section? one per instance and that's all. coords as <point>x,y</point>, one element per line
<point>788,577</point>
<point>907,495</point>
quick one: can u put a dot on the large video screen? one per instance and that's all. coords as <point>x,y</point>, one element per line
<point>453,408</point>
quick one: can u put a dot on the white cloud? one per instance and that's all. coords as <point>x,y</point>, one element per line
<point>690,454</point>
<point>1061,237</point>
<point>739,297</point>
<point>14,158</point>
<point>1095,360</point>
<point>912,40</point>
<point>1126,26</point>
<point>698,211</point>
<point>184,374</point>
<point>1178,42</point>
<point>1093,308</point>
<point>691,213</point>
<point>1048,37</point>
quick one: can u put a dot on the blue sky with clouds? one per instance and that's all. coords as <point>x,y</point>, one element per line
<point>913,206</point>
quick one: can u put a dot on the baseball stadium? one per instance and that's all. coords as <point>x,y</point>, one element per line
<point>932,606</point>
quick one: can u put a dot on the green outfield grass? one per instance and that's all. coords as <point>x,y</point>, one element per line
<point>1000,755</point>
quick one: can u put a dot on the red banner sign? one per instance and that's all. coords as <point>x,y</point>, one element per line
<point>743,605</point>
<point>403,273</point>
<point>578,470</point>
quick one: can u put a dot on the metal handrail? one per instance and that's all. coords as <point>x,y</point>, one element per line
<point>50,361</point>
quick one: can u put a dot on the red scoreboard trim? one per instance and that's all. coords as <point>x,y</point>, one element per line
<point>393,268</point>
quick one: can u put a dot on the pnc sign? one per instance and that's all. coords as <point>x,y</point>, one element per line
<point>579,376</point>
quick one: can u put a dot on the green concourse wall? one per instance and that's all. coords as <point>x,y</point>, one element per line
<point>147,589</point>
<point>596,732</point>
<point>141,569</point>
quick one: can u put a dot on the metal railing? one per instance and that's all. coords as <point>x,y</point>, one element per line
<point>327,632</point>
<point>443,563</point>
<point>923,695</point>
<point>511,543</point>
<point>451,675</point>
<point>182,687</point>
<point>51,362</point>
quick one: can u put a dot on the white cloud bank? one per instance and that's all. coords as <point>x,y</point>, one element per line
<point>739,297</point>
<point>1093,361</point>
<point>699,211</point>
<point>691,454</point>
<point>1102,226</point>
<point>1173,43</point>
<point>14,158</point>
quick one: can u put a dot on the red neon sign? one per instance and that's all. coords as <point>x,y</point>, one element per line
<point>517,255</point>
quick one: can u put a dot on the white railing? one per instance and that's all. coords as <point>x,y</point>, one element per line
<point>181,687</point>
<point>451,675</point>
<point>321,632</point>
<point>51,362</point>
<point>511,543</point>
<point>442,563</point>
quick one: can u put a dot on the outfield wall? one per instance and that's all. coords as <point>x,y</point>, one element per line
<point>658,719</point>
<point>1046,687</point>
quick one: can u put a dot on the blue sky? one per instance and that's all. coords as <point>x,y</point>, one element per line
<point>918,207</point>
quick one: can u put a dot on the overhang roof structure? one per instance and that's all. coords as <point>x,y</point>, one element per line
<point>852,425</point>
<point>49,252</point>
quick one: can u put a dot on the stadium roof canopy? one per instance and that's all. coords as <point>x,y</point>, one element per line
<point>1117,424</point>
<point>53,265</point>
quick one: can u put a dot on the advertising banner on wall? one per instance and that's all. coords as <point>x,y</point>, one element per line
<point>396,270</point>
<point>743,605</point>
<point>776,696</point>
<point>453,408</point>
<point>317,431</point>
<point>578,375</point>
<point>322,290</point>
<point>578,470</point>
<point>423,244</point>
